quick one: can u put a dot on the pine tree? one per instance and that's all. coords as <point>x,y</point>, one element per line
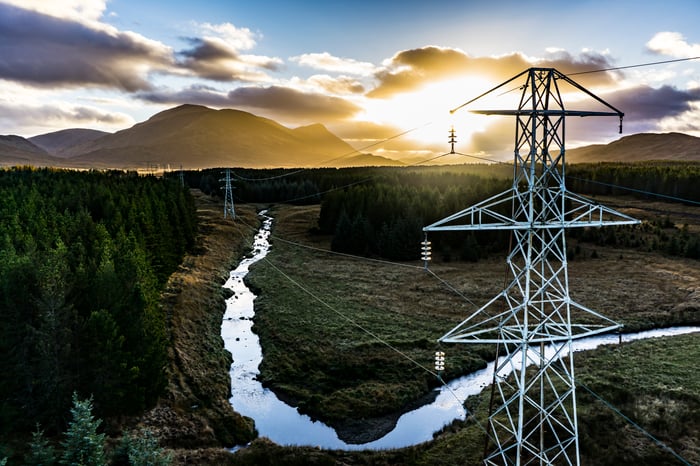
<point>83,446</point>
<point>41,452</point>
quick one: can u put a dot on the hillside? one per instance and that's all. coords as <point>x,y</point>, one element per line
<point>199,137</point>
<point>16,150</point>
<point>59,143</point>
<point>640,147</point>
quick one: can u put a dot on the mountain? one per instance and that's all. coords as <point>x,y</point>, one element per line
<point>16,150</point>
<point>199,137</point>
<point>60,142</point>
<point>640,147</point>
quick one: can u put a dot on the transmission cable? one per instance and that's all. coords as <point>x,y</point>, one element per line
<point>616,68</point>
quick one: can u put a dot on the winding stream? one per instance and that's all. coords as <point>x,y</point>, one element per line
<point>284,425</point>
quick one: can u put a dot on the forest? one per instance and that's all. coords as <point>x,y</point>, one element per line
<point>380,211</point>
<point>83,258</point>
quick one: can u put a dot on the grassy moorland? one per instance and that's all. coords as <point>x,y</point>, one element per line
<point>349,342</point>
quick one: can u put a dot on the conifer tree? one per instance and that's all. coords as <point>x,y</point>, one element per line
<point>83,445</point>
<point>41,452</point>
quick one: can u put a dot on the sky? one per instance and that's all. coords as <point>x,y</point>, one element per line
<point>369,70</point>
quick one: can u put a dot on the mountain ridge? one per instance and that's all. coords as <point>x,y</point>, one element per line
<point>197,137</point>
<point>640,147</point>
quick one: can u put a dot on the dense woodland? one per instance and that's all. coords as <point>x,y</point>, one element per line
<point>83,258</point>
<point>381,211</point>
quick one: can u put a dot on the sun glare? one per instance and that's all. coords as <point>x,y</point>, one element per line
<point>426,111</point>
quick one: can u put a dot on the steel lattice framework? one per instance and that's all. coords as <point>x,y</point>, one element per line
<point>533,320</point>
<point>228,196</point>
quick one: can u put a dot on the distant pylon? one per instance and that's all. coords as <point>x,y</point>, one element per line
<point>228,196</point>
<point>182,177</point>
<point>533,420</point>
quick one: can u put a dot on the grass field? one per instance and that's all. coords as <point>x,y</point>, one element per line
<point>351,341</point>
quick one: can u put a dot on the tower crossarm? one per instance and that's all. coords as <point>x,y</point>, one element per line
<point>577,212</point>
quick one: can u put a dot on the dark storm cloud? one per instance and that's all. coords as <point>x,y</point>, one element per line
<point>216,60</point>
<point>46,51</point>
<point>648,103</point>
<point>644,108</point>
<point>274,102</point>
<point>410,69</point>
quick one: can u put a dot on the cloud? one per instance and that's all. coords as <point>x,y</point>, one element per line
<point>236,38</point>
<point>327,62</point>
<point>286,102</point>
<point>274,102</point>
<point>646,109</point>
<point>364,132</point>
<point>408,70</point>
<point>194,94</point>
<point>51,116</point>
<point>43,50</point>
<point>217,55</point>
<point>672,44</point>
<point>336,85</point>
<point>213,59</point>
<point>84,11</point>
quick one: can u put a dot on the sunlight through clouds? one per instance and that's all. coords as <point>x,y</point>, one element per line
<point>327,62</point>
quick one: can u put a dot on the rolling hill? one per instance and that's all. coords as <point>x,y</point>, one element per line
<point>640,147</point>
<point>199,137</point>
<point>59,143</point>
<point>16,150</point>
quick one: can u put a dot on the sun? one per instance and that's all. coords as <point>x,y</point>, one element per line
<point>425,112</point>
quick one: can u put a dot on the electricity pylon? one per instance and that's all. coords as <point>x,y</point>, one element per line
<point>228,195</point>
<point>533,419</point>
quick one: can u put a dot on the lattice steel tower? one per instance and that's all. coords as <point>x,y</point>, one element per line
<point>228,195</point>
<point>533,320</point>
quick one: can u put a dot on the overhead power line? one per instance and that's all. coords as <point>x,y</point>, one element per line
<point>616,68</point>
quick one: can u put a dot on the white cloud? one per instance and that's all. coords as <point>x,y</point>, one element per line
<point>234,37</point>
<point>672,44</point>
<point>327,62</point>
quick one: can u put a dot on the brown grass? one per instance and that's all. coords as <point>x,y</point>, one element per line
<point>194,412</point>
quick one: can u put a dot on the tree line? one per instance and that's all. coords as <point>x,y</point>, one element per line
<point>83,258</point>
<point>381,211</point>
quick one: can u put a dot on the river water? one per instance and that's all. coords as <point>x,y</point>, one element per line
<point>284,425</point>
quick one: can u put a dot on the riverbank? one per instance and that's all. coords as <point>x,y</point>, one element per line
<point>194,417</point>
